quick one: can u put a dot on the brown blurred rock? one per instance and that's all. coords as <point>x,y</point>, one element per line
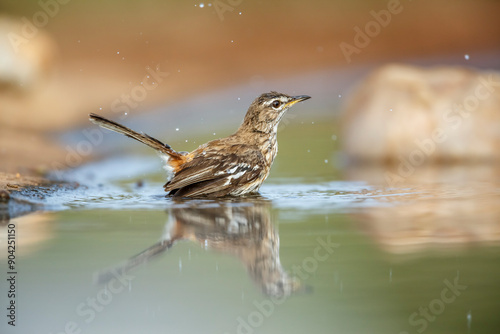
<point>33,99</point>
<point>27,55</point>
<point>409,115</point>
<point>31,94</point>
<point>37,92</point>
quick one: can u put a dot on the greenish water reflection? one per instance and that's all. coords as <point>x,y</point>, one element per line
<point>353,256</point>
<point>353,286</point>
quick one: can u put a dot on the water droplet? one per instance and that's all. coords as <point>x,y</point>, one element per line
<point>232,41</point>
<point>180,264</point>
<point>390,109</point>
<point>312,122</point>
<point>469,320</point>
<point>326,161</point>
<point>214,133</point>
<point>239,99</point>
<point>202,5</point>
<point>186,140</point>
<point>117,52</point>
<point>239,13</point>
<point>334,137</point>
<point>466,57</point>
<point>206,243</point>
<point>340,95</point>
<point>176,129</point>
<point>126,113</point>
<point>147,76</point>
<point>308,151</point>
<point>100,108</point>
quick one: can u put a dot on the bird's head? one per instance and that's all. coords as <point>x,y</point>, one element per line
<point>266,111</point>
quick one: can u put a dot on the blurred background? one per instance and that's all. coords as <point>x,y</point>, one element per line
<point>90,53</point>
<point>64,59</point>
<point>394,159</point>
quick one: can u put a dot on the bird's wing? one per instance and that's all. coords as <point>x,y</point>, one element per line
<point>217,171</point>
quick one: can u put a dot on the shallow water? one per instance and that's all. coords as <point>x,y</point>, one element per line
<point>323,250</point>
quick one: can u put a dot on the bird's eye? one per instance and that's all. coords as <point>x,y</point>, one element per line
<point>276,104</point>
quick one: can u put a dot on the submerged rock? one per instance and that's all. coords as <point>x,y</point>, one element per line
<point>410,115</point>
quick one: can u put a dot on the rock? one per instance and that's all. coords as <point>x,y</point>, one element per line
<point>33,96</point>
<point>404,114</point>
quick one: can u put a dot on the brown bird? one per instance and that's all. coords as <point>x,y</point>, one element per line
<point>233,166</point>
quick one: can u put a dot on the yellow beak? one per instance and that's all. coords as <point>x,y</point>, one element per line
<point>296,99</point>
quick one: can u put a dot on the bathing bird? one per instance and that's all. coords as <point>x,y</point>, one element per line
<point>236,165</point>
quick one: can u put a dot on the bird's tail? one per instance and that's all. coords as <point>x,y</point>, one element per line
<point>142,137</point>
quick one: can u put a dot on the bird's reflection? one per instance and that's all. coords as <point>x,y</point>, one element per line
<point>240,227</point>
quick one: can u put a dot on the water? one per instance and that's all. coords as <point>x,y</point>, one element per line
<point>322,250</point>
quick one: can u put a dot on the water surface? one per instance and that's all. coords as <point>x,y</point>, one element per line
<point>322,250</point>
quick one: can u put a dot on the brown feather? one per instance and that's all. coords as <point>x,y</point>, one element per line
<point>235,165</point>
<point>215,171</point>
<point>141,137</point>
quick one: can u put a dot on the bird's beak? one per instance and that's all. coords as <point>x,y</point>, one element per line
<point>298,98</point>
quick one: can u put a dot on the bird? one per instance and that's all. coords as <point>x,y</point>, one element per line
<point>236,165</point>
